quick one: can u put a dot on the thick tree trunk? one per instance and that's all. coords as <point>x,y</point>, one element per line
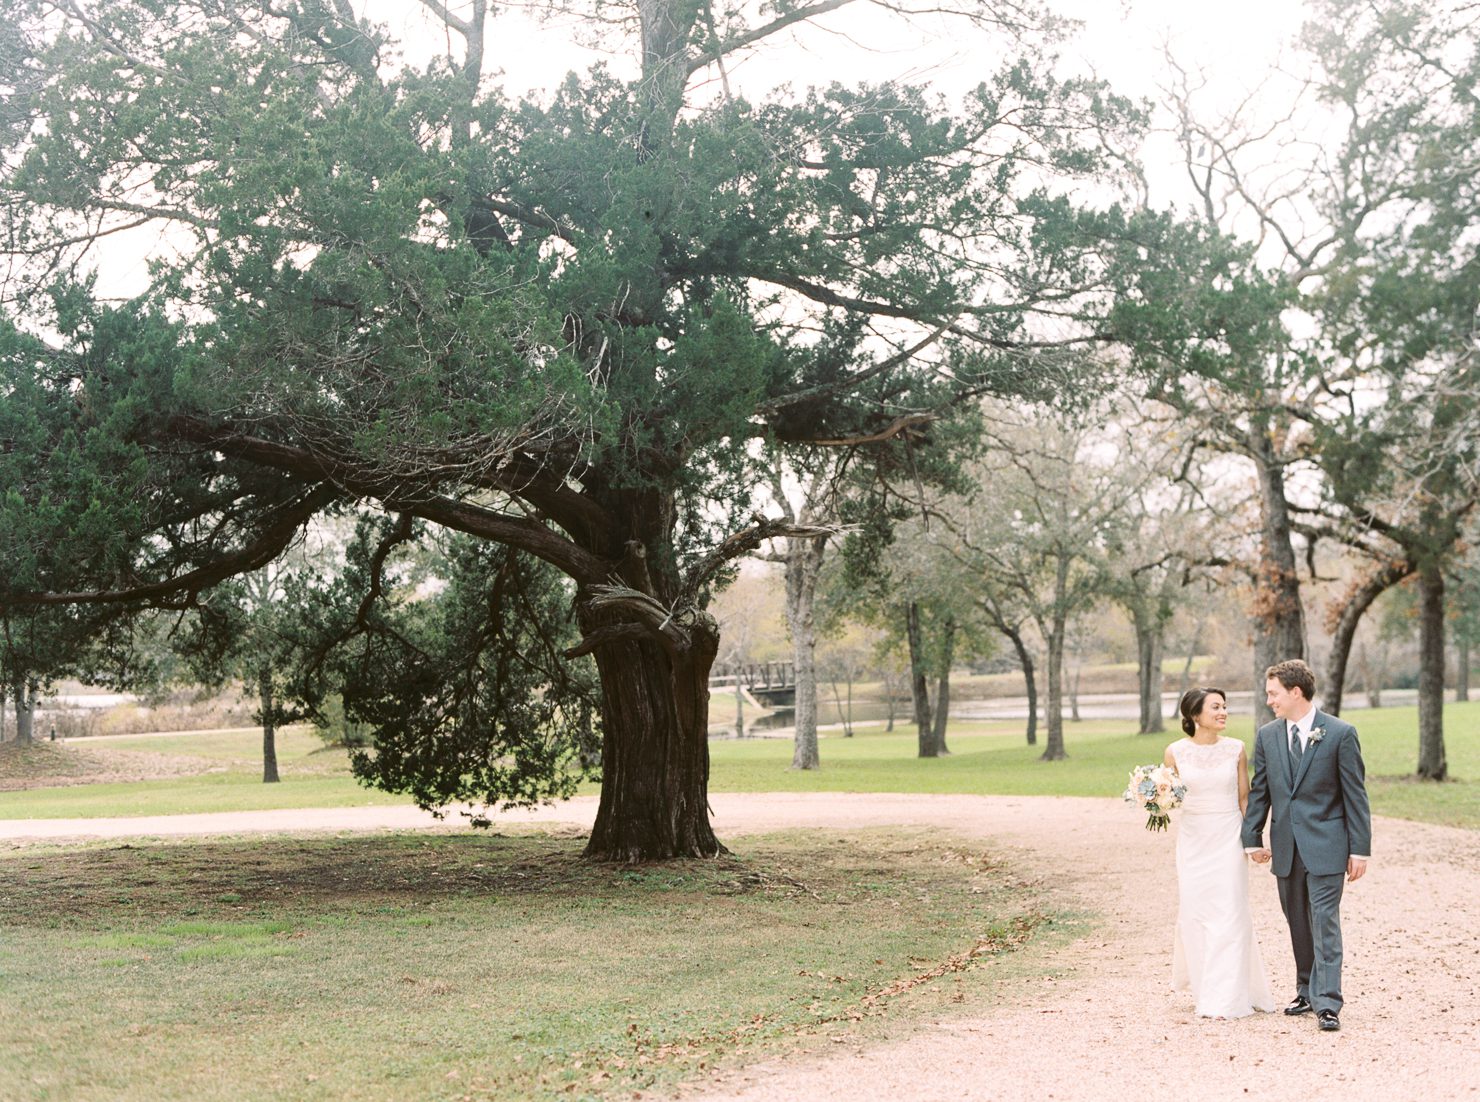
<point>1025,663</point>
<point>739,705</point>
<point>655,751</point>
<point>4,699</point>
<point>1462,670</point>
<point>269,728</point>
<point>1277,615</point>
<point>919,686</point>
<point>1431,759</point>
<point>1372,662</point>
<point>1030,681</point>
<point>1053,749</point>
<point>1358,601</point>
<point>25,711</point>
<point>943,690</point>
<point>1149,648</point>
<point>803,569</point>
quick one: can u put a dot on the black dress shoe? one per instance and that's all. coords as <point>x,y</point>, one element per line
<point>1301,1005</point>
<point>1328,1021</point>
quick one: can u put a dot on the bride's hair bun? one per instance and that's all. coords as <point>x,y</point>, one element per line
<point>1192,706</point>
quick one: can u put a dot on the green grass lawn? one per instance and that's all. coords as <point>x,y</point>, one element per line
<point>312,776</point>
<point>986,758</point>
<point>481,966</point>
<point>298,748</point>
<point>231,791</point>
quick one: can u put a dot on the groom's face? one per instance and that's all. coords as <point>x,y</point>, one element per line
<point>1283,702</point>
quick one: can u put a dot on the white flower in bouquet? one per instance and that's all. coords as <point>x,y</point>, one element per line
<point>1157,790</point>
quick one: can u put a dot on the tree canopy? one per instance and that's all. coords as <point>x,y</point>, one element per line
<point>557,325</point>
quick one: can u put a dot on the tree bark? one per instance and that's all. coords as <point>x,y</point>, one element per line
<point>1150,644</point>
<point>655,751</point>
<point>1462,669</point>
<point>1372,662</point>
<point>1357,603</point>
<point>1277,614</point>
<point>1025,663</point>
<point>803,569</point>
<point>919,687</point>
<point>1431,759</point>
<point>1053,749</point>
<point>25,711</point>
<point>943,690</point>
<point>1030,680</point>
<point>269,727</point>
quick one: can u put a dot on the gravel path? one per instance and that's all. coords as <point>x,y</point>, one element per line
<point>1106,1025</point>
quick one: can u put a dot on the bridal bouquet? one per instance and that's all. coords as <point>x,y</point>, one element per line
<point>1157,789</point>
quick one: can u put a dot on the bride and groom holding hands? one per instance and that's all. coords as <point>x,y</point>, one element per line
<point>1308,783</point>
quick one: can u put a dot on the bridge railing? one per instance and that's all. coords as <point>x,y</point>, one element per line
<point>762,676</point>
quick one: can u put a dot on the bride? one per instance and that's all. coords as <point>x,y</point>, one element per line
<point>1215,955</point>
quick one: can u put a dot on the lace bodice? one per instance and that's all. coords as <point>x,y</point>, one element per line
<point>1210,773</point>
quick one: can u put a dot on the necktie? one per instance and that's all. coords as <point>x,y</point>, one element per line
<point>1295,748</point>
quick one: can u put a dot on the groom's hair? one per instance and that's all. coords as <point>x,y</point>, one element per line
<point>1294,674</point>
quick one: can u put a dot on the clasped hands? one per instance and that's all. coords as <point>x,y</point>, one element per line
<point>1356,867</point>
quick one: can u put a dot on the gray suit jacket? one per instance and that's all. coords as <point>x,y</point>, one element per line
<point>1321,807</point>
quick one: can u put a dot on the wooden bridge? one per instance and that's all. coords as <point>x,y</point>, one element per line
<point>773,684</point>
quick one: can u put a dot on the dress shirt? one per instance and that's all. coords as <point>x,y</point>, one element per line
<point>1303,726</point>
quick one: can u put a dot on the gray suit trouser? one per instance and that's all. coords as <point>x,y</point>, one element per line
<point>1312,906</point>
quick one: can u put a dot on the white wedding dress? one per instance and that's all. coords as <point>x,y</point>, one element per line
<point>1215,955</point>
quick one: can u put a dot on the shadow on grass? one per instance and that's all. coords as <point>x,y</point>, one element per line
<point>99,884</point>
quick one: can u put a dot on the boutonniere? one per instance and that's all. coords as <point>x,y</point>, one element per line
<point>1317,733</point>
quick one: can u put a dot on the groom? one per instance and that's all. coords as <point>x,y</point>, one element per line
<point>1308,772</point>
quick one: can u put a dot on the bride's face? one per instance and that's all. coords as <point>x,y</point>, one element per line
<point>1214,714</point>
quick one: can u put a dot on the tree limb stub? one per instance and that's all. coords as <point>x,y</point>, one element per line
<point>610,633</point>
<point>649,619</point>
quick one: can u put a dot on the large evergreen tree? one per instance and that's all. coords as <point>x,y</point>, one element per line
<point>558,326</point>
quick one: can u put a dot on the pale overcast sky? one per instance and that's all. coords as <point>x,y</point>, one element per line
<point>1232,47</point>
<point>1121,41</point>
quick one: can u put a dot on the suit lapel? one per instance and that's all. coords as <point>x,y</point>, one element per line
<point>1311,746</point>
